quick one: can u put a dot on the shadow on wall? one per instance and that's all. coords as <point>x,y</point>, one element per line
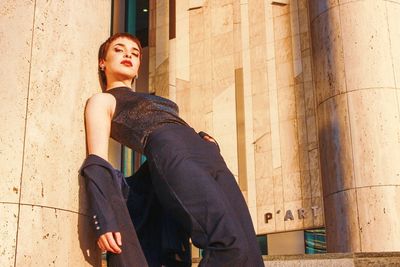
<point>87,239</point>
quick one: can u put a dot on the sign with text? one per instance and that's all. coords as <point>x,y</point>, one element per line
<point>301,214</point>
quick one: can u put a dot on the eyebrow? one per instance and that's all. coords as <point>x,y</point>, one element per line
<point>133,48</point>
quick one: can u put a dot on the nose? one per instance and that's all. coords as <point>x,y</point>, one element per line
<point>127,55</point>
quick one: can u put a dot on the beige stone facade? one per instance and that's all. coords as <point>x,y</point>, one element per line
<point>48,70</point>
<point>356,69</point>
<point>296,92</point>
<point>241,70</point>
<point>302,96</point>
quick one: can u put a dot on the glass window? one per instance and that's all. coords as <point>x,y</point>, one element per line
<point>315,241</point>
<point>262,242</point>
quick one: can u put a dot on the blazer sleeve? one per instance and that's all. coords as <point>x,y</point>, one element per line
<point>106,190</point>
<point>100,191</point>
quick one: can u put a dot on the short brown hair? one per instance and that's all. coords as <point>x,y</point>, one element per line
<point>104,49</point>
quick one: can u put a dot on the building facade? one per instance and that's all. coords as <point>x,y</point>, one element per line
<point>302,97</point>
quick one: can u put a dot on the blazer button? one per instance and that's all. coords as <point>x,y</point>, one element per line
<point>96,222</point>
<point>94,216</point>
<point>98,228</point>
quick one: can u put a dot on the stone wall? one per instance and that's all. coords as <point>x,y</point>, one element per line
<point>357,72</point>
<point>48,69</point>
<point>241,70</point>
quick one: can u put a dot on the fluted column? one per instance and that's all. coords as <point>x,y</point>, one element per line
<point>356,63</point>
<point>48,68</point>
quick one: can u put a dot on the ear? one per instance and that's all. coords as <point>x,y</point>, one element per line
<point>102,64</point>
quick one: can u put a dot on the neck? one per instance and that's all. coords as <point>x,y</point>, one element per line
<point>115,84</point>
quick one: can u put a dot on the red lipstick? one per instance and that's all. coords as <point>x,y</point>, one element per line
<point>126,63</point>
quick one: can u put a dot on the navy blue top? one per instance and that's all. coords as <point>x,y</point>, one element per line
<point>138,114</point>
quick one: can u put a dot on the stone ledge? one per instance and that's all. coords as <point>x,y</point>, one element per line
<point>354,255</point>
<point>357,259</point>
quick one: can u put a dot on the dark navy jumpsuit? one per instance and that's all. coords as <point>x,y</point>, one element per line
<point>190,178</point>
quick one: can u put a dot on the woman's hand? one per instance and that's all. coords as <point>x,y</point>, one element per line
<point>110,241</point>
<point>209,138</point>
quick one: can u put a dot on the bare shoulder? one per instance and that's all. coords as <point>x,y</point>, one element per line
<point>101,102</point>
<point>101,99</point>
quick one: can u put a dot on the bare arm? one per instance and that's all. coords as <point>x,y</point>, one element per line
<point>98,114</point>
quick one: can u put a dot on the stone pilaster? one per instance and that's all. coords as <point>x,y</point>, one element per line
<point>48,69</point>
<point>356,69</point>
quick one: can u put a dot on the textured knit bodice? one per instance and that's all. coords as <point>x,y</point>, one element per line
<point>138,114</point>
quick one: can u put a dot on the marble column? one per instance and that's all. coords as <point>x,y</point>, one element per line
<point>48,68</point>
<point>356,66</point>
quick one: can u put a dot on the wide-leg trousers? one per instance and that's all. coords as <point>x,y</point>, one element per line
<point>195,186</point>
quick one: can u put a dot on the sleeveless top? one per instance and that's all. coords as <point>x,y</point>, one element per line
<point>138,114</point>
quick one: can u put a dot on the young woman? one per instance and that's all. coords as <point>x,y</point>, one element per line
<point>189,176</point>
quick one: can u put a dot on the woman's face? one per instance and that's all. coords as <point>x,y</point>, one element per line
<point>122,60</point>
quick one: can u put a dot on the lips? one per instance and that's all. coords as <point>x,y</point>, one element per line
<point>126,63</point>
